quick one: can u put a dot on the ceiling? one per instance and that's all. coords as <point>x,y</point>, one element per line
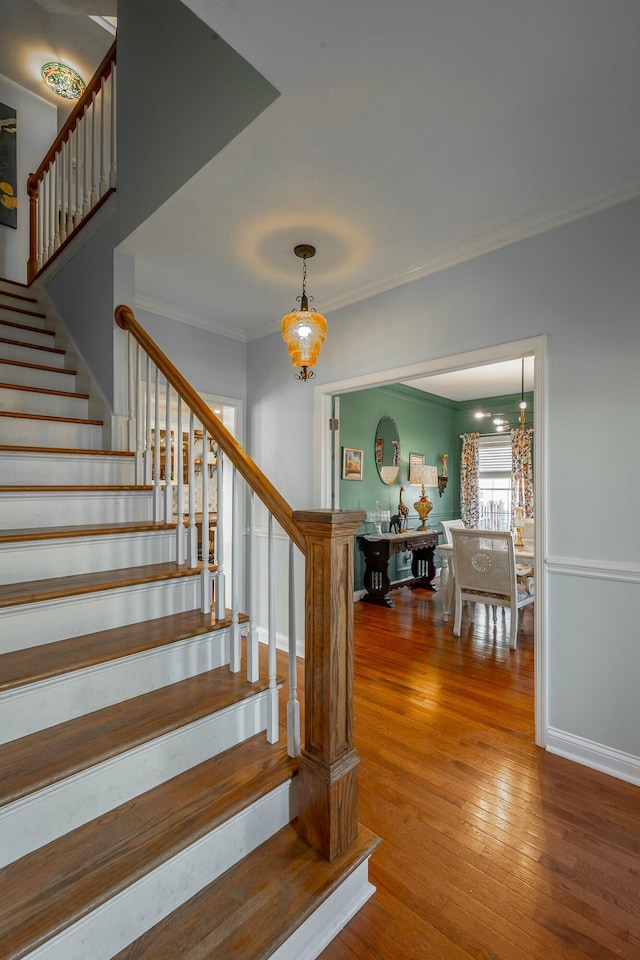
<point>37,31</point>
<point>407,137</point>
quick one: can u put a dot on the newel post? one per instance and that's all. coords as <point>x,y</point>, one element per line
<point>32,263</point>
<point>328,765</point>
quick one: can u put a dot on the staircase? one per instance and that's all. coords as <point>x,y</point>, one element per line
<point>142,811</point>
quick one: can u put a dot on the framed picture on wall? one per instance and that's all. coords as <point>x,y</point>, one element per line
<point>415,460</point>
<point>8,169</point>
<point>352,463</point>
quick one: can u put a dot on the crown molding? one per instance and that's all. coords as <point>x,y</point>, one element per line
<point>185,316</point>
<point>500,236</point>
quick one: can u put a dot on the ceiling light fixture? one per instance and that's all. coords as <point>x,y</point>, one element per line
<point>63,80</point>
<point>303,330</point>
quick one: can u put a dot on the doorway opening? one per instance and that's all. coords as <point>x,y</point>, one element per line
<point>327,444</point>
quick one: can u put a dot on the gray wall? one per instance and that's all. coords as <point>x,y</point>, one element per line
<point>580,285</point>
<point>37,127</point>
<point>156,117</point>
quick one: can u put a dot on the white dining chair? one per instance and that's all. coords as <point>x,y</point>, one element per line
<point>485,570</point>
<point>448,526</point>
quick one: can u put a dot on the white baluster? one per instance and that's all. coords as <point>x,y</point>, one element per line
<point>112,167</point>
<point>253,666</point>
<point>221,607</point>
<point>69,216</point>
<point>272,701</point>
<point>192,539</point>
<point>148,462</point>
<point>103,141</point>
<point>43,200</point>
<point>157,491</point>
<point>86,158</point>
<point>79,170</point>
<point>131,425</point>
<point>180,538</point>
<point>56,201</point>
<point>204,532</point>
<point>139,424</point>
<point>52,214</point>
<point>236,551</point>
<point>94,159</point>
<point>62,218</point>
<point>168,476</point>
<point>293,704</point>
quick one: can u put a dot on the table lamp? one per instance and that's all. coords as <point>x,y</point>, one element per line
<point>427,477</point>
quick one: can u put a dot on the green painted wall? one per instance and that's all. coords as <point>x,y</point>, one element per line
<point>427,425</point>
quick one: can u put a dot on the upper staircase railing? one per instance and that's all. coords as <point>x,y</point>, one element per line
<point>79,171</point>
<point>177,441</point>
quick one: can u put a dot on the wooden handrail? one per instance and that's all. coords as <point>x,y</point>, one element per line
<point>273,500</point>
<point>92,87</point>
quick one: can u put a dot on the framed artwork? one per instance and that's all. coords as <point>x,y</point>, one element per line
<point>379,449</point>
<point>415,460</point>
<point>352,463</point>
<point>8,167</point>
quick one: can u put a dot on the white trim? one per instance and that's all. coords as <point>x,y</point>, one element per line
<point>325,923</point>
<point>616,763</point>
<point>532,346</point>
<point>171,312</point>
<point>597,569</point>
<point>282,641</point>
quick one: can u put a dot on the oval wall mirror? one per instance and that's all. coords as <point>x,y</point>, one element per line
<point>387,450</point>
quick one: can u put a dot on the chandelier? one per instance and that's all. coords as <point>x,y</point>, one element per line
<point>303,330</point>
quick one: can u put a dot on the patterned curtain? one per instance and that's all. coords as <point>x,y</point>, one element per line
<point>521,472</point>
<point>469,501</point>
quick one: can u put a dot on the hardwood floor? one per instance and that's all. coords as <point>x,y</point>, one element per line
<point>491,848</point>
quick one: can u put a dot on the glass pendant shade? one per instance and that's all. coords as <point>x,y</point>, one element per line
<point>63,80</point>
<point>303,330</point>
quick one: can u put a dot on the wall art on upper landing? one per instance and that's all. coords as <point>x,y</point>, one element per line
<point>8,167</point>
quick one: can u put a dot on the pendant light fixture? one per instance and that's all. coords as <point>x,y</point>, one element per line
<point>303,330</point>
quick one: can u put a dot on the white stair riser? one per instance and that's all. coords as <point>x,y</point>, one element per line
<point>109,928</point>
<point>31,624</point>
<point>51,508</point>
<point>20,329</point>
<point>44,559</point>
<point>13,316</point>
<point>28,823</point>
<point>21,467</point>
<point>49,404</point>
<point>31,377</point>
<point>36,706</point>
<point>50,433</point>
<point>27,354</point>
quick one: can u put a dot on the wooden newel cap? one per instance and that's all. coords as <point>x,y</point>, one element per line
<point>325,519</point>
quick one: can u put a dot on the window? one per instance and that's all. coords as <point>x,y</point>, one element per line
<point>494,482</point>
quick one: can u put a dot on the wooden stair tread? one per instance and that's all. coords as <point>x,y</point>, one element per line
<point>253,908</point>
<point>32,346</point>
<point>38,366</point>
<point>13,415</point>
<point>80,530</point>
<point>55,753</point>
<point>20,310</point>
<point>69,452</point>
<point>23,326</point>
<point>38,591</point>
<point>53,887</point>
<point>25,388</point>
<point>34,664</point>
<point>16,296</point>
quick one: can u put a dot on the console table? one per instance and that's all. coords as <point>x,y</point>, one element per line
<point>379,547</point>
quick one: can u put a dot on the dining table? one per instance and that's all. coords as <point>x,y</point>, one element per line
<point>524,566</point>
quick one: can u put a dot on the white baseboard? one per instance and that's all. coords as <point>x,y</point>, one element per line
<point>616,763</point>
<point>327,921</point>
<point>282,641</point>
